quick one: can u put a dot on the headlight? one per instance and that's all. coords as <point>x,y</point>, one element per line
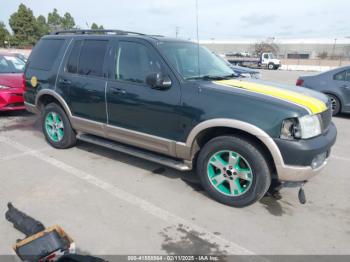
<point>290,129</point>
<point>301,128</point>
<point>310,126</point>
<point>4,87</point>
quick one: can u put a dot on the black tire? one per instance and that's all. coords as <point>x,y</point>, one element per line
<point>271,66</point>
<point>336,106</point>
<point>259,165</point>
<point>69,137</point>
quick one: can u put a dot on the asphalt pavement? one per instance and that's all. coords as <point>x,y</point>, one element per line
<point>111,203</point>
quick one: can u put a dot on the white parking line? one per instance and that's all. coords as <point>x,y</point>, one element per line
<point>14,156</point>
<point>224,244</point>
<point>340,158</point>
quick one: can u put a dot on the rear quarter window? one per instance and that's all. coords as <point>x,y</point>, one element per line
<point>45,54</point>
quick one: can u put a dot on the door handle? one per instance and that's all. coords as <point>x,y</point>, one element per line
<point>117,90</point>
<point>64,81</point>
<point>345,86</point>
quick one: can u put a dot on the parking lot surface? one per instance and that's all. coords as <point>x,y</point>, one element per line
<point>112,203</point>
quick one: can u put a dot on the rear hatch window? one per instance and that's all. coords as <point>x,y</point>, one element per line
<point>45,54</point>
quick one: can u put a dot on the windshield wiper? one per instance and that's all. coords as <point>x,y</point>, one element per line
<point>209,77</point>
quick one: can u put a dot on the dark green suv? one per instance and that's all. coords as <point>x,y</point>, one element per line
<point>175,103</point>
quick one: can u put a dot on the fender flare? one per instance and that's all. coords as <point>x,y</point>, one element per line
<point>236,124</point>
<point>56,96</point>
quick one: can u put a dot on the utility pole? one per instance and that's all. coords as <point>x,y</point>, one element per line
<point>177,30</point>
<point>335,42</point>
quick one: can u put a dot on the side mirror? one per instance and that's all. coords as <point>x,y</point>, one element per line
<point>158,81</point>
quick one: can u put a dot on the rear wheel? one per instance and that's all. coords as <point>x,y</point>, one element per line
<point>335,104</point>
<point>57,128</point>
<point>233,171</point>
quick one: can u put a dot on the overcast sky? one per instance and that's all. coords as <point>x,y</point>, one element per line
<point>219,19</point>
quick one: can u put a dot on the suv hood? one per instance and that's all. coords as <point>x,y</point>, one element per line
<point>313,102</point>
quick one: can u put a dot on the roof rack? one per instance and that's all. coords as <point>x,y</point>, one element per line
<point>95,31</point>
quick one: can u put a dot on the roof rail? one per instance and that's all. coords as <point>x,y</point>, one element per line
<point>95,31</point>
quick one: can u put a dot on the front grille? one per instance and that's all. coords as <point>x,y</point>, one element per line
<point>326,118</point>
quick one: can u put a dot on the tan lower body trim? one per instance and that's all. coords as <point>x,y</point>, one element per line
<point>122,135</point>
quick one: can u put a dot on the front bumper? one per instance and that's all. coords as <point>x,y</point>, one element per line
<point>304,159</point>
<point>11,99</point>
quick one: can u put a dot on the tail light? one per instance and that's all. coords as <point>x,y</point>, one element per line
<point>24,82</point>
<point>300,82</point>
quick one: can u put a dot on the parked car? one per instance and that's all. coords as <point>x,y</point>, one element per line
<point>175,103</point>
<point>21,56</point>
<point>334,83</point>
<point>241,71</point>
<point>11,82</point>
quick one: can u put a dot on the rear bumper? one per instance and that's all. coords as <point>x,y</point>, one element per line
<point>305,158</point>
<point>11,100</point>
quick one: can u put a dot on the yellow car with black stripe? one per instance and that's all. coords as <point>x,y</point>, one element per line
<point>175,103</point>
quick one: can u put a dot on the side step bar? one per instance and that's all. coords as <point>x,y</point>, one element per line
<point>134,151</point>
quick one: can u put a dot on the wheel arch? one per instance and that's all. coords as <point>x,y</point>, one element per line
<point>47,96</point>
<point>341,102</point>
<point>209,129</point>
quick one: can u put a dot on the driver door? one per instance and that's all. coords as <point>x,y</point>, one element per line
<point>131,103</point>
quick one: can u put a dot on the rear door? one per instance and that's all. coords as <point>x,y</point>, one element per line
<point>342,82</point>
<point>83,79</point>
<point>134,105</point>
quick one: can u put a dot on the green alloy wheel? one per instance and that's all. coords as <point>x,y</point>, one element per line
<point>230,173</point>
<point>54,127</point>
<point>57,128</point>
<point>233,170</point>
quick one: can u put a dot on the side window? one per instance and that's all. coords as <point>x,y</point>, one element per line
<point>341,76</point>
<point>348,75</point>
<point>91,57</point>
<point>45,54</point>
<point>266,56</point>
<point>72,64</point>
<point>134,62</point>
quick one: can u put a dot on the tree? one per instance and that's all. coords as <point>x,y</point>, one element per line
<point>265,47</point>
<point>54,20</point>
<point>94,26</point>
<point>24,27</point>
<point>67,21</point>
<point>41,26</point>
<point>4,34</point>
<point>322,55</point>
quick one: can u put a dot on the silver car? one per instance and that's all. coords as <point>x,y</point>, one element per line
<point>334,83</point>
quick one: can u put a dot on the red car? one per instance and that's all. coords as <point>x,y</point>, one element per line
<point>11,82</point>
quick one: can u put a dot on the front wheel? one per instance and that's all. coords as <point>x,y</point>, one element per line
<point>233,171</point>
<point>271,66</point>
<point>57,128</point>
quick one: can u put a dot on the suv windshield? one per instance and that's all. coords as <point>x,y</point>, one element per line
<point>193,61</point>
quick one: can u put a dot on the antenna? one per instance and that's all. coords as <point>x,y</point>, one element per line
<point>199,73</point>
